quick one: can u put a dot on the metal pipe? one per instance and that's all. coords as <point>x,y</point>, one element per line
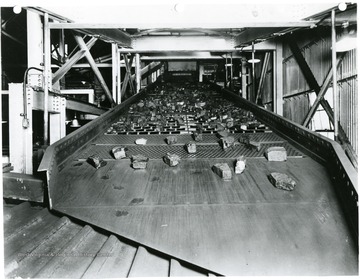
<point>335,90</point>
<point>25,113</point>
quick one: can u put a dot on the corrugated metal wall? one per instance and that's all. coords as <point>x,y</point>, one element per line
<point>348,91</point>
<point>315,46</point>
<point>316,49</point>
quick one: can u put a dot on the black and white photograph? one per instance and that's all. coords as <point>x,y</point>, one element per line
<point>179,138</point>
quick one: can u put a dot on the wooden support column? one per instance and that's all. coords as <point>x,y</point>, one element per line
<point>321,93</point>
<point>93,66</point>
<point>60,73</point>
<point>263,76</point>
<point>137,72</point>
<point>47,76</point>
<point>309,76</point>
<point>278,79</point>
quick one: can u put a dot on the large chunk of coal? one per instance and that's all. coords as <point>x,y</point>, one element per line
<point>171,140</point>
<point>227,142</point>
<point>251,144</point>
<point>240,165</point>
<point>171,159</point>
<point>229,122</point>
<point>244,139</point>
<point>119,152</point>
<point>197,136</point>
<point>96,161</point>
<point>222,134</point>
<point>282,181</point>
<point>276,153</point>
<point>139,161</point>
<point>141,141</point>
<point>191,147</point>
<point>223,170</point>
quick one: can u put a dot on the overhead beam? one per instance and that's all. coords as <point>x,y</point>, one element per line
<point>84,107</point>
<point>183,30</point>
<point>104,32</point>
<point>308,74</point>
<point>182,43</point>
<point>96,70</point>
<point>249,35</point>
<point>203,47</point>
<point>112,36</point>
<point>60,73</point>
<point>321,93</point>
<point>174,25</point>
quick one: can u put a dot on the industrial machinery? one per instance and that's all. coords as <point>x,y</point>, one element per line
<point>244,226</point>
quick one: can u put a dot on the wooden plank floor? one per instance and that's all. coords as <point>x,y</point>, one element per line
<point>240,227</point>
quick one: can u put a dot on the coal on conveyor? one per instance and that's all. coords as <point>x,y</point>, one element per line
<point>190,108</point>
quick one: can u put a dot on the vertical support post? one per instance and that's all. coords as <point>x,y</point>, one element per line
<point>35,41</point>
<point>115,66</point>
<point>243,78</point>
<point>137,72</point>
<point>201,73</point>
<point>231,73</point>
<point>334,68</point>
<point>278,79</point>
<point>21,140</point>
<point>47,78</point>
<point>253,78</point>
<point>1,132</point>
<point>226,71</point>
<point>118,97</point>
<point>62,54</point>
